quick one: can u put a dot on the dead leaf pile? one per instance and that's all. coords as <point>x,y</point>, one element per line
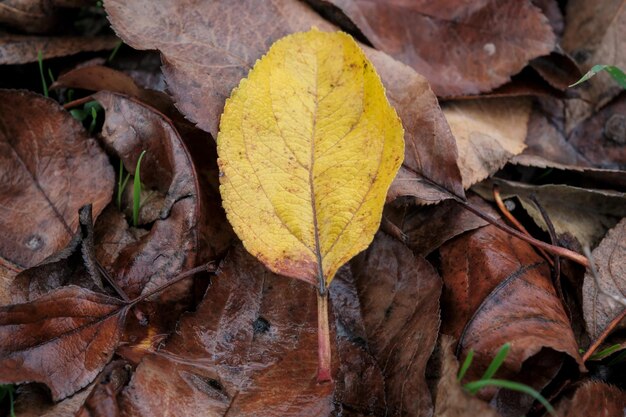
<point>445,131</point>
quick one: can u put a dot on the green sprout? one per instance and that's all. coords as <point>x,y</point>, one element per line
<point>121,185</point>
<point>615,72</point>
<point>44,85</point>
<point>487,379</point>
<point>137,190</point>
<point>8,390</point>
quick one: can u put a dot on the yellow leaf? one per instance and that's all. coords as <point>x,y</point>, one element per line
<point>308,146</point>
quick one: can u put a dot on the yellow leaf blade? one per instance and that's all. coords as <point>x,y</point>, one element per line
<point>308,147</point>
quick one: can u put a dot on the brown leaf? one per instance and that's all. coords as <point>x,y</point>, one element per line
<point>451,399</point>
<point>488,133</point>
<point>63,339</point>
<point>461,48</point>
<point>226,56</point>
<point>102,401</point>
<point>497,290</point>
<point>592,398</point>
<point>51,169</point>
<point>584,213</point>
<point>558,69</point>
<point>34,16</point>
<point>426,228</point>
<point>609,260</point>
<point>149,260</point>
<point>594,34</point>
<point>34,401</point>
<point>251,345</point>
<point>22,49</point>
<point>399,298</point>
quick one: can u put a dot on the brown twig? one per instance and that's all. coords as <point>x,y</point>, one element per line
<point>505,211</point>
<point>77,102</point>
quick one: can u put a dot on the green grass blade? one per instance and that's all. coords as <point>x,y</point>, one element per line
<point>497,361</point>
<point>617,74</point>
<point>474,387</point>
<point>466,364</point>
<point>12,401</point>
<point>619,358</point>
<point>43,79</point>
<point>117,48</point>
<point>605,352</point>
<point>50,76</point>
<point>137,190</point>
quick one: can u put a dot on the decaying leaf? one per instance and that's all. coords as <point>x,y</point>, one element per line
<point>488,133</point>
<point>62,339</point>
<point>22,49</point>
<point>204,65</point>
<point>460,47</point>
<point>399,298</point>
<point>582,212</point>
<point>594,398</point>
<point>50,168</point>
<point>609,259</point>
<point>497,290</point>
<point>102,401</point>
<point>307,149</point>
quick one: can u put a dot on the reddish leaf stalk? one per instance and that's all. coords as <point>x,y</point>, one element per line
<point>514,221</point>
<point>605,333</point>
<point>77,102</point>
<point>323,339</point>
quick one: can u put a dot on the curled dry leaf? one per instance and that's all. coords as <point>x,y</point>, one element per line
<point>399,298</point>
<point>74,329</point>
<point>172,241</point>
<point>227,55</point>
<point>497,290</point>
<point>461,48</point>
<point>451,399</point>
<point>102,400</point>
<point>584,213</point>
<point>319,202</point>
<point>51,169</point>
<point>594,397</point>
<point>22,49</point>
<point>609,259</point>
<point>594,34</point>
<point>488,133</point>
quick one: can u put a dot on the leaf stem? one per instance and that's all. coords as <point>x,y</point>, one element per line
<point>323,340</point>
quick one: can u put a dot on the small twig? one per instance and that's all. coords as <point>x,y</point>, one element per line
<point>112,282</point>
<point>77,102</point>
<point>611,326</point>
<point>554,240</point>
<point>505,211</point>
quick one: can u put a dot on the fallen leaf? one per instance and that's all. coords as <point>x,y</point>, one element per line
<point>426,228</point>
<point>240,351</point>
<point>308,147</point>
<point>171,243</point>
<point>488,133</point>
<point>102,401</point>
<point>51,169</point>
<point>584,213</point>
<point>558,69</point>
<point>34,16</point>
<point>399,298</point>
<point>221,57</point>
<point>594,35</point>
<point>461,48</point>
<point>34,401</point>
<point>74,265</point>
<point>22,49</point>
<point>74,329</point>
<point>608,258</point>
<point>497,290</point>
<point>451,399</point>
<point>594,398</point>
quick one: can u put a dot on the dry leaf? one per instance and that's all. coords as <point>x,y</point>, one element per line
<point>51,168</point>
<point>460,47</point>
<point>594,398</point>
<point>22,49</point>
<point>584,213</point>
<point>307,149</point>
<point>62,339</point>
<point>399,298</point>
<point>204,65</point>
<point>609,259</point>
<point>488,133</point>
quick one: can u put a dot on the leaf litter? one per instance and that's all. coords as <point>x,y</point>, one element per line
<point>244,341</point>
